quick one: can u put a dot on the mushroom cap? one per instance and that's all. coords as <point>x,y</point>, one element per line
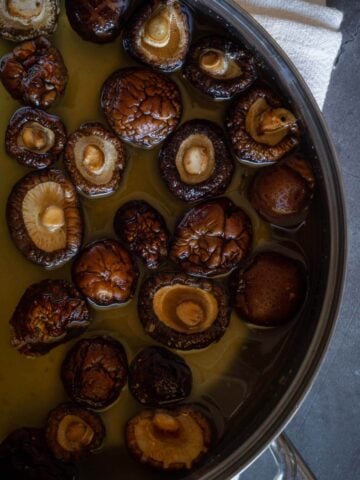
<point>142,107</point>
<point>48,314</point>
<point>204,181</point>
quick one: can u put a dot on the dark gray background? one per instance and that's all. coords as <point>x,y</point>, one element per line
<point>326,430</point>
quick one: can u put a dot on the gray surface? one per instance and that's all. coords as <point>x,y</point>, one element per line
<point>326,429</point>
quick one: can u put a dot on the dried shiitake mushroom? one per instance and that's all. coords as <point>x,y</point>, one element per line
<point>169,439</point>
<point>260,128</point>
<point>24,455</point>
<point>98,21</point>
<point>34,73</point>
<point>183,312</point>
<point>95,371</point>
<point>282,193</point>
<point>159,34</point>
<point>220,67</point>
<point>49,313</point>
<point>143,107</point>
<point>105,273</point>
<point>212,238</point>
<point>195,162</point>
<point>270,290</point>
<point>35,138</point>
<point>25,19</point>
<point>144,230</point>
<point>44,218</point>
<point>158,377</point>
<point>72,432</point>
<point>95,160</point>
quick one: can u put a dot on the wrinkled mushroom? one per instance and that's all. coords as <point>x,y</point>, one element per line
<point>212,238</point>
<point>169,439</point>
<point>195,162</point>
<point>95,371</point>
<point>34,73</point>
<point>72,432</point>
<point>159,34</point>
<point>183,312</point>
<point>220,67</point>
<point>95,160</point>
<point>44,218</point>
<point>35,138</point>
<point>143,107</point>
<point>260,128</point>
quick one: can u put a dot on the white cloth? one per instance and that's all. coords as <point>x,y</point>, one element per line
<point>307,31</point>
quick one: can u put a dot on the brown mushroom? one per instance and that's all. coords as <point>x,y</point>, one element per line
<point>143,107</point>
<point>169,439</point>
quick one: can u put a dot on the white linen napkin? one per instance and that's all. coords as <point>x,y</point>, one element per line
<point>307,31</point>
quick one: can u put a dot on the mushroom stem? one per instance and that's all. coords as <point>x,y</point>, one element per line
<point>195,160</point>
<point>190,313</point>
<point>157,30</point>
<point>74,433</point>
<point>53,218</point>
<point>93,159</point>
<point>214,61</point>
<point>34,138</point>
<point>166,424</point>
<point>25,10</point>
<point>276,120</point>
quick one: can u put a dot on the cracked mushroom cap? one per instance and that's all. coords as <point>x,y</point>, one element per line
<point>169,439</point>
<point>72,432</point>
<point>141,106</point>
<point>195,162</point>
<point>219,67</point>
<point>183,312</point>
<point>95,160</point>
<point>260,128</point>
<point>44,218</point>
<point>212,238</point>
<point>35,138</point>
<point>26,19</point>
<point>94,372</point>
<point>105,273</point>
<point>159,34</point>
<point>48,314</point>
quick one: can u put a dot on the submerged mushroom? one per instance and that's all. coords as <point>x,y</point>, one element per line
<point>195,162</point>
<point>35,138</point>
<point>49,313</point>
<point>143,107</point>
<point>25,19</point>
<point>72,432</point>
<point>169,439</point>
<point>260,128</point>
<point>212,238</point>
<point>95,371</point>
<point>183,312</point>
<point>220,67</point>
<point>34,73</point>
<point>44,218</point>
<point>159,34</point>
<point>95,160</point>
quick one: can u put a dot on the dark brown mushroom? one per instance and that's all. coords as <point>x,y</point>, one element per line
<point>183,312</point>
<point>34,73</point>
<point>195,162</point>
<point>95,371</point>
<point>72,432</point>
<point>212,238</point>
<point>105,273</point>
<point>98,21</point>
<point>282,193</point>
<point>260,128</point>
<point>158,377</point>
<point>159,34</point>
<point>95,160</point>
<point>270,290</point>
<point>219,67</point>
<point>35,138</point>
<point>24,455</point>
<point>144,231</point>
<point>143,107</point>
<point>26,19</point>
<point>49,313</point>
<point>169,439</point>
